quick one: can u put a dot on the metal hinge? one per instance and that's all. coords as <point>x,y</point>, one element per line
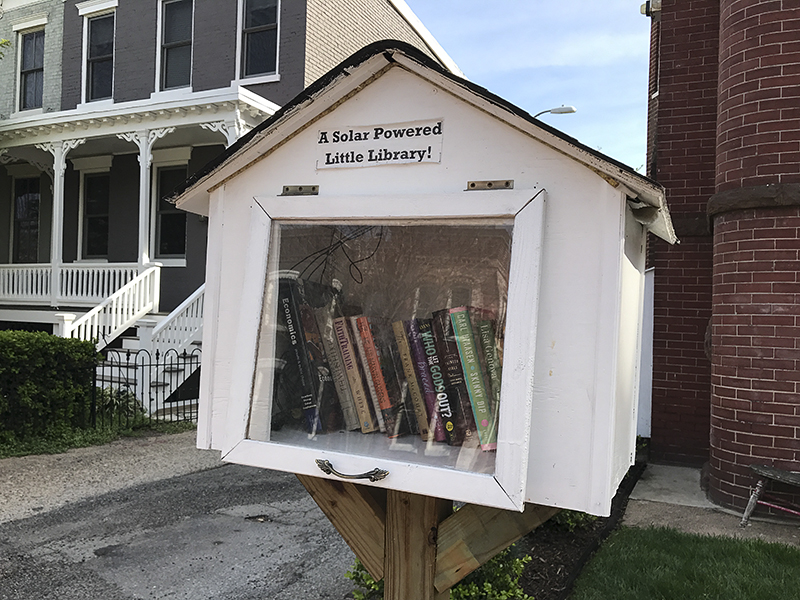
<point>500,184</point>
<point>300,190</point>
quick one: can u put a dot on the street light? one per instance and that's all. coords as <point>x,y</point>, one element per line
<point>558,110</point>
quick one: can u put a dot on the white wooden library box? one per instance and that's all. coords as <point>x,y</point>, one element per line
<point>413,281</point>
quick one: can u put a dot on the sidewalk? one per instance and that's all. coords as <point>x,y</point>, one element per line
<point>33,484</point>
<point>668,496</point>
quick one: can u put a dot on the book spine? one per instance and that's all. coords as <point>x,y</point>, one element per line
<point>411,379</point>
<point>330,414</point>
<point>446,403</point>
<point>373,394</point>
<point>373,362</point>
<point>336,364</point>
<point>454,376</point>
<point>418,353</point>
<point>345,342</point>
<point>491,360</point>
<point>473,376</point>
<point>290,315</point>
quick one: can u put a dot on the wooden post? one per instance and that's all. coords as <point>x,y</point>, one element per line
<point>416,544</point>
<point>412,524</point>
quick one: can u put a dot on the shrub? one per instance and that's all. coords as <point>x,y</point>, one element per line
<point>572,520</point>
<point>498,579</point>
<point>45,383</point>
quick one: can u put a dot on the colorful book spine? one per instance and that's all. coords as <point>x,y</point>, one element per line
<point>422,369</point>
<point>473,375</point>
<point>350,361</point>
<point>336,364</point>
<point>289,312</point>
<point>491,360</point>
<point>371,391</point>
<point>446,402</point>
<point>372,360</point>
<point>414,391</point>
<point>454,376</point>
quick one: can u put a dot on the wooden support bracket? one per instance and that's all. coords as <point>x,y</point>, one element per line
<point>473,535</point>
<point>416,543</point>
<point>358,513</point>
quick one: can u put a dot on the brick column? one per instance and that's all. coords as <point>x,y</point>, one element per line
<point>755,406</point>
<point>681,156</point>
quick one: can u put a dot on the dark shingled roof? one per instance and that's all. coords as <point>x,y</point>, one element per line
<point>386,47</point>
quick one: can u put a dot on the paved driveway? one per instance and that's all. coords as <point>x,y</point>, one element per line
<point>226,532</point>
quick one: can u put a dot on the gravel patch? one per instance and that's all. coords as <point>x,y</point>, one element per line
<point>34,484</point>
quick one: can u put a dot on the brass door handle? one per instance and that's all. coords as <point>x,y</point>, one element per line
<point>327,468</point>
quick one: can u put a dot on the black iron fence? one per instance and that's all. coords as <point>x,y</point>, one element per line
<point>135,387</point>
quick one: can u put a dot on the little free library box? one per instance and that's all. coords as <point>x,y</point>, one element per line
<point>413,282</point>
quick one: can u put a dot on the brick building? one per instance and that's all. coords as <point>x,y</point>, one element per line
<point>724,140</point>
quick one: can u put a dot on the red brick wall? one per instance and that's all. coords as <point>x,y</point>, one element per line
<point>683,161</point>
<point>756,362</point>
<point>758,137</point>
<point>755,410</point>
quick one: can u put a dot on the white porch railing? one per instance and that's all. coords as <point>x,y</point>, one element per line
<point>29,284</point>
<point>118,312</point>
<point>79,284</point>
<point>92,283</point>
<point>182,327</point>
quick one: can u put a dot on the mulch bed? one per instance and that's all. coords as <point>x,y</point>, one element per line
<point>559,555</point>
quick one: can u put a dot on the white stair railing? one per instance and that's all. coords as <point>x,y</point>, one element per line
<point>182,327</point>
<point>119,311</point>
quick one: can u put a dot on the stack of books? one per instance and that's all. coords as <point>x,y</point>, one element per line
<point>437,377</point>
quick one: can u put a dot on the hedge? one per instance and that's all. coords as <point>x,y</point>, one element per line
<point>45,382</point>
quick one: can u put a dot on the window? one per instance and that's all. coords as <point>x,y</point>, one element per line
<point>170,221</point>
<point>96,193</point>
<point>25,248</point>
<point>176,44</point>
<point>260,37</point>
<point>31,70</point>
<point>100,58</point>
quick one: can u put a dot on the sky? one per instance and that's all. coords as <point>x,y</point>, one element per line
<point>539,54</point>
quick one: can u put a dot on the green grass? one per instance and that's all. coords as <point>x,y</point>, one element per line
<point>664,564</point>
<point>60,439</point>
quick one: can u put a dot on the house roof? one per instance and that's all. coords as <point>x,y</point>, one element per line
<point>647,197</point>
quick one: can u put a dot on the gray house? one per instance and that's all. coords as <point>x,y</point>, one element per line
<point>106,106</point>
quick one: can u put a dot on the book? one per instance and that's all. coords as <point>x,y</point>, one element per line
<point>324,317</point>
<point>491,360</point>
<point>418,402</point>
<point>350,362</point>
<point>423,372</point>
<point>328,409</point>
<point>454,381</point>
<point>396,384</point>
<point>371,393</point>
<point>385,407</point>
<point>447,405</point>
<point>298,366</point>
<point>473,376</point>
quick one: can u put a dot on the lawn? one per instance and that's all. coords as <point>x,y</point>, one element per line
<point>664,564</point>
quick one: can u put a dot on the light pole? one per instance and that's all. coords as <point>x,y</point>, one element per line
<point>558,110</point>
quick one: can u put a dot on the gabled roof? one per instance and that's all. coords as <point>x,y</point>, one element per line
<point>646,196</point>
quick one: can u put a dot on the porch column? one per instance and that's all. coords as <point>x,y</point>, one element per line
<point>59,150</point>
<point>144,140</point>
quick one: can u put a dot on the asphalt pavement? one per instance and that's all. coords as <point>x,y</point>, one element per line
<point>211,530</point>
<point>155,518</point>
